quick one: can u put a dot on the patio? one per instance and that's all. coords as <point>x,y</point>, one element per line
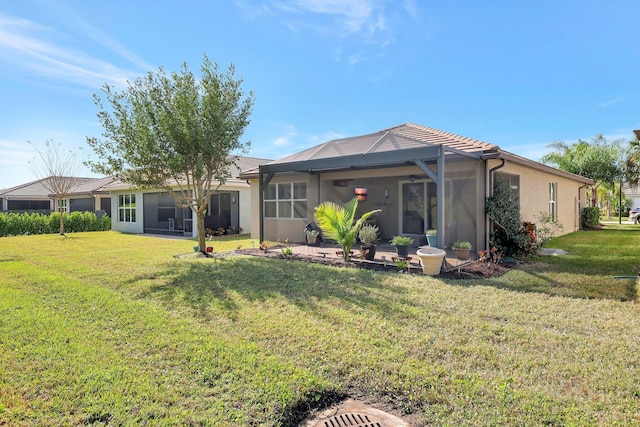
<point>385,254</point>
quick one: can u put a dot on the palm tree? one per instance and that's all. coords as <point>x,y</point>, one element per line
<point>338,223</point>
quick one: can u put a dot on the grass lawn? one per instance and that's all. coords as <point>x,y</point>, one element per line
<point>108,328</point>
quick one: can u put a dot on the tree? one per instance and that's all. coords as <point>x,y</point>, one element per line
<point>599,160</point>
<point>58,170</point>
<point>509,234</point>
<point>632,166</point>
<point>175,132</point>
<point>339,223</point>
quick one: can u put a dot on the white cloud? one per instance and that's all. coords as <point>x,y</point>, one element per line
<point>31,47</point>
<point>353,15</point>
<point>611,102</point>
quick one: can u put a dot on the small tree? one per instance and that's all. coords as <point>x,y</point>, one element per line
<point>175,132</point>
<point>339,223</point>
<point>509,234</point>
<point>599,160</point>
<point>57,169</point>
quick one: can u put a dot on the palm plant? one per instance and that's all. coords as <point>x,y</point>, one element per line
<point>339,223</point>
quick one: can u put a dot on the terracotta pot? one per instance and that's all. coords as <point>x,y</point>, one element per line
<point>462,254</point>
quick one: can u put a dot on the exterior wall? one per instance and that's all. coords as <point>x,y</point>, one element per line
<point>244,200</point>
<point>127,227</point>
<point>254,195</point>
<point>246,209</point>
<point>534,195</point>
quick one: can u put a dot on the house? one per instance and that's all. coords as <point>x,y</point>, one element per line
<point>87,194</point>
<point>420,178</point>
<point>155,211</point>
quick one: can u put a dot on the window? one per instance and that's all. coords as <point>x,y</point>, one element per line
<point>62,205</point>
<point>512,180</point>
<point>286,200</point>
<point>553,198</point>
<point>127,208</point>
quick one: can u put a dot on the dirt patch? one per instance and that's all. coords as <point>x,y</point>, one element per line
<point>473,270</point>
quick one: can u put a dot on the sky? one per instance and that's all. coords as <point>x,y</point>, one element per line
<point>518,74</point>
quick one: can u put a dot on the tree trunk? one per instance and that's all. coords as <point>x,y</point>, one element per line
<point>61,217</point>
<point>202,237</point>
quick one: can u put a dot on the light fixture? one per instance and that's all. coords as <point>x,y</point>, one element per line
<point>386,193</point>
<point>361,194</point>
<point>233,199</point>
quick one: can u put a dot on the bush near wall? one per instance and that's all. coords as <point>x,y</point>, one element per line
<point>17,224</point>
<point>590,217</point>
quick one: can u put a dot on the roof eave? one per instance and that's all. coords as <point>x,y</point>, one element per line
<point>542,167</point>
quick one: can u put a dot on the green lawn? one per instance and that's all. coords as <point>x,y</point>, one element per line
<point>108,328</point>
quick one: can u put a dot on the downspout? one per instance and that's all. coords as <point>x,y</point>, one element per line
<point>261,204</point>
<point>491,171</point>
<point>580,204</point>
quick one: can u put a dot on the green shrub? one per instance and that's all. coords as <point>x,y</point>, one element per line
<point>401,241</point>
<point>590,217</point>
<point>509,233</point>
<point>17,224</point>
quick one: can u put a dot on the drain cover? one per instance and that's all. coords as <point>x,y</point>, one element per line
<point>350,420</point>
<point>352,413</point>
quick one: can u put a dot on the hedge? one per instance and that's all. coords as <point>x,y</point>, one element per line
<point>17,224</point>
<point>590,217</point>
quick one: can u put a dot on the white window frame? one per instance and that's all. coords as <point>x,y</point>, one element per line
<point>125,207</point>
<point>61,205</point>
<point>553,200</point>
<point>279,201</point>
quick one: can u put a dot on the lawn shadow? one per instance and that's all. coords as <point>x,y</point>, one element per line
<point>526,280</point>
<point>216,284</point>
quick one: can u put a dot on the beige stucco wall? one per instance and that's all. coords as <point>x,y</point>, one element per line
<point>534,195</point>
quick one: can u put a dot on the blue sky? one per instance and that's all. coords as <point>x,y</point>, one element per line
<point>518,74</point>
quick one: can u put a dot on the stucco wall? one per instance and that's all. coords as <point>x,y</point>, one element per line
<point>534,195</point>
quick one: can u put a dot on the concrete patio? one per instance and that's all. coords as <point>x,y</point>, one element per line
<point>385,253</point>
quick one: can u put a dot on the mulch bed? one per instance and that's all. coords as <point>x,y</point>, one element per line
<point>473,270</point>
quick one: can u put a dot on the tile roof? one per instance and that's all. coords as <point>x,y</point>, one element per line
<point>93,185</point>
<point>410,138</point>
<point>243,163</point>
<point>402,137</point>
<point>36,188</point>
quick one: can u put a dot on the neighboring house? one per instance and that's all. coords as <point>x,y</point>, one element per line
<point>87,195</point>
<point>155,211</point>
<point>632,193</point>
<point>420,178</point>
<point>90,195</point>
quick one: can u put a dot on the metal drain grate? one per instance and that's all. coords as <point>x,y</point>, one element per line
<point>350,420</point>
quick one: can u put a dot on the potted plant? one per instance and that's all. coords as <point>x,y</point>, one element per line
<point>312,236</point>
<point>402,244</point>
<point>462,250</point>
<point>432,237</point>
<point>368,236</point>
